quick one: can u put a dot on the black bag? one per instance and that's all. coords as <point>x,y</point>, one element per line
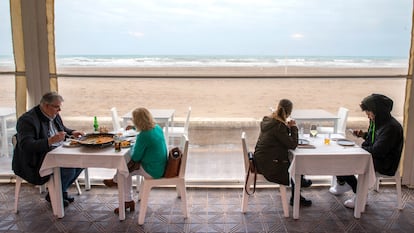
<point>132,165</point>
<point>252,169</point>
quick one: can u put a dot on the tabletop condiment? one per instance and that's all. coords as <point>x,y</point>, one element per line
<point>95,124</point>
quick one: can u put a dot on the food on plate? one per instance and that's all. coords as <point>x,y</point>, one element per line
<point>73,143</point>
<point>125,143</point>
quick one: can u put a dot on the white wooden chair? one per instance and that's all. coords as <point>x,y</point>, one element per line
<point>175,132</point>
<point>397,179</point>
<point>341,123</point>
<point>260,178</point>
<point>115,120</point>
<point>42,188</point>
<point>178,182</point>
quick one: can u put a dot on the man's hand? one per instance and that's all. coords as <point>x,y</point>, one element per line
<point>59,137</point>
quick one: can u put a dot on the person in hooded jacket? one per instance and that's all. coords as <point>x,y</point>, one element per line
<point>384,140</point>
<point>277,137</point>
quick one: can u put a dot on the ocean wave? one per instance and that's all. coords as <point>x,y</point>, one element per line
<point>222,61</point>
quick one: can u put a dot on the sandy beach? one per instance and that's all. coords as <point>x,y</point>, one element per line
<point>227,98</point>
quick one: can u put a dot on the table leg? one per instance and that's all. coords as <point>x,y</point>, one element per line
<point>121,181</point>
<point>361,193</point>
<point>55,193</point>
<point>296,202</point>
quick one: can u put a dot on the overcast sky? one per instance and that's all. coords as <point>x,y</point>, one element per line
<point>231,27</point>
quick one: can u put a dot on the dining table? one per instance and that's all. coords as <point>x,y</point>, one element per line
<point>82,156</point>
<point>315,115</point>
<point>339,157</point>
<point>161,116</point>
<point>4,114</point>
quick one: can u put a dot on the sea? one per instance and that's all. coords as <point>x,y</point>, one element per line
<point>222,61</point>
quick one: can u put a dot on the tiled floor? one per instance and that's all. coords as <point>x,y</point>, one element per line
<point>210,210</point>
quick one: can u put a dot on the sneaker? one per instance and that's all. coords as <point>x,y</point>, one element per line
<point>303,201</point>
<point>340,189</point>
<point>350,203</point>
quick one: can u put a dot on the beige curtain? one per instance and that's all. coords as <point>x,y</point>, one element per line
<point>408,153</point>
<point>34,50</point>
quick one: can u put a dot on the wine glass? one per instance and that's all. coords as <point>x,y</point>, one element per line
<point>313,130</point>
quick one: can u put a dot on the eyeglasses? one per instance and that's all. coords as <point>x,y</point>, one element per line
<point>55,106</point>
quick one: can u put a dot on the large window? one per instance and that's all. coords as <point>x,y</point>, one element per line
<point>256,39</point>
<point>231,61</point>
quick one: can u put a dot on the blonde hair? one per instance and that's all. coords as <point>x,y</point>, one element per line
<point>283,111</point>
<point>142,119</point>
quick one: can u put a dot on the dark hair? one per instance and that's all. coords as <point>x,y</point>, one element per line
<point>51,97</point>
<point>284,109</point>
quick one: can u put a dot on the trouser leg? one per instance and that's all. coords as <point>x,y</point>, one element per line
<point>351,180</point>
<point>69,175</point>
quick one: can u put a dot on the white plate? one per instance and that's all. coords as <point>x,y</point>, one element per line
<point>345,142</point>
<point>67,144</point>
<point>130,133</point>
<point>302,141</point>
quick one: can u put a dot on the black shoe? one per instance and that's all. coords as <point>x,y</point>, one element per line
<point>67,197</point>
<point>305,183</point>
<point>65,202</point>
<point>303,201</point>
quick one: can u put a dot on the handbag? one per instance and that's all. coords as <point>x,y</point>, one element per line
<point>173,163</point>
<point>132,165</point>
<point>252,169</point>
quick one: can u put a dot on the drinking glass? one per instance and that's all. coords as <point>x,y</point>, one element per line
<point>313,130</point>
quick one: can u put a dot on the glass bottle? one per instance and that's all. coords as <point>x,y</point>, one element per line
<point>95,124</point>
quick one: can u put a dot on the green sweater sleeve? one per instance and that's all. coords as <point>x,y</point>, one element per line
<point>151,151</point>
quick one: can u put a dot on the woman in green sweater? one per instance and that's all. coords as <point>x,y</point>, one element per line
<point>149,150</point>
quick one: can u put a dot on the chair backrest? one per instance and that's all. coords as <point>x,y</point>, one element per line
<point>183,165</point>
<point>187,121</point>
<point>245,152</point>
<point>115,120</point>
<point>343,117</point>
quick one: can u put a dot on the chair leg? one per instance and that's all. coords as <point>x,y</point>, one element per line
<point>283,197</point>
<point>16,193</point>
<point>398,184</point>
<point>87,180</point>
<point>144,193</point>
<point>42,188</point>
<point>183,191</point>
<point>377,184</point>
<point>78,187</point>
<point>245,196</point>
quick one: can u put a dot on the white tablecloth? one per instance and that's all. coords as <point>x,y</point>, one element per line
<point>333,159</point>
<point>83,157</point>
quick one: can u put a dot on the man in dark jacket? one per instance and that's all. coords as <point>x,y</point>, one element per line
<point>384,140</point>
<point>39,131</point>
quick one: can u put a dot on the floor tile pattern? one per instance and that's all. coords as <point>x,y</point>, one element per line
<point>210,210</point>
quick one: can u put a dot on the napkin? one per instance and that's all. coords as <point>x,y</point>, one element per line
<point>307,146</point>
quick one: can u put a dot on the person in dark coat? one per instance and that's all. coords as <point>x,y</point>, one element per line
<point>39,131</point>
<point>277,137</point>
<point>384,140</point>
